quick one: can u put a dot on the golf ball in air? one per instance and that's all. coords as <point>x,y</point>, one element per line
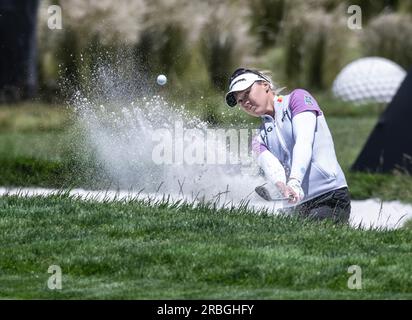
<point>161,79</point>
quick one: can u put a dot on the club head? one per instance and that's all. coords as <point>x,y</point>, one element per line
<point>263,192</point>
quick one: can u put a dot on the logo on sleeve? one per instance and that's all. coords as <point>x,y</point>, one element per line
<point>308,100</point>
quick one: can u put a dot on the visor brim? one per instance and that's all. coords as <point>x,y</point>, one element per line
<point>231,99</point>
<point>230,96</point>
<point>240,83</point>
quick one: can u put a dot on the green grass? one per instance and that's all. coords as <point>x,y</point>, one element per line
<point>46,159</point>
<point>161,250</point>
<point>350,135</point>
<point>41,145</point>
<point>147,250</point>
<point>337,108</point>
<point>34,117</point>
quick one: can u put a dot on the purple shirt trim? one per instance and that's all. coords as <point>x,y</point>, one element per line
<point>258,147</point>
<point>301,100</point>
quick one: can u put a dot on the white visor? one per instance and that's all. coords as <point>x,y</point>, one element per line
<point>241,83</point>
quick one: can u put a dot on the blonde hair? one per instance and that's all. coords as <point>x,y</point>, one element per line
<point>273,86</point>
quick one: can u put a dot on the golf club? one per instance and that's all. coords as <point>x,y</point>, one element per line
<point>264,193</point>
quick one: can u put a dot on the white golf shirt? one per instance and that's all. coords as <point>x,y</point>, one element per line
<point>298,138</point>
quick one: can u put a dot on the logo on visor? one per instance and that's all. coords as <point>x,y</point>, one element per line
<point>233,84</point>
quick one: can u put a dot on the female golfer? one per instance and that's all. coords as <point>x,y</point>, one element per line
<point>294,146</point>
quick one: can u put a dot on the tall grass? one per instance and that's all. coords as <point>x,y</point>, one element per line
<point>372,8</point>
<point>168,36</point>
<point>266,21</point>
<point>315,46</point>
<point>389,36</point>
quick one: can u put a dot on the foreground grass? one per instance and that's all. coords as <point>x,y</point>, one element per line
<point>160,250</point>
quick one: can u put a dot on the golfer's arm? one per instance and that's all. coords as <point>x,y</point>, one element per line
<point>271,166</point>
<point>274,171</point>
<point>304,125</point>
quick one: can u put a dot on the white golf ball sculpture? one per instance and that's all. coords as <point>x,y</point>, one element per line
<point>161,79</point>
<point>370,79</point>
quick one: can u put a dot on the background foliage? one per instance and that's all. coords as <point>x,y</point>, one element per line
<point>198,43</point>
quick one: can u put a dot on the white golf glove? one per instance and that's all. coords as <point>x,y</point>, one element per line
<point>294,184</point>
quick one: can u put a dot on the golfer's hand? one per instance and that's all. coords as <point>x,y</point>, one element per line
<point>293,191</point>
<point>281,187</point>
<point>286,191</point>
